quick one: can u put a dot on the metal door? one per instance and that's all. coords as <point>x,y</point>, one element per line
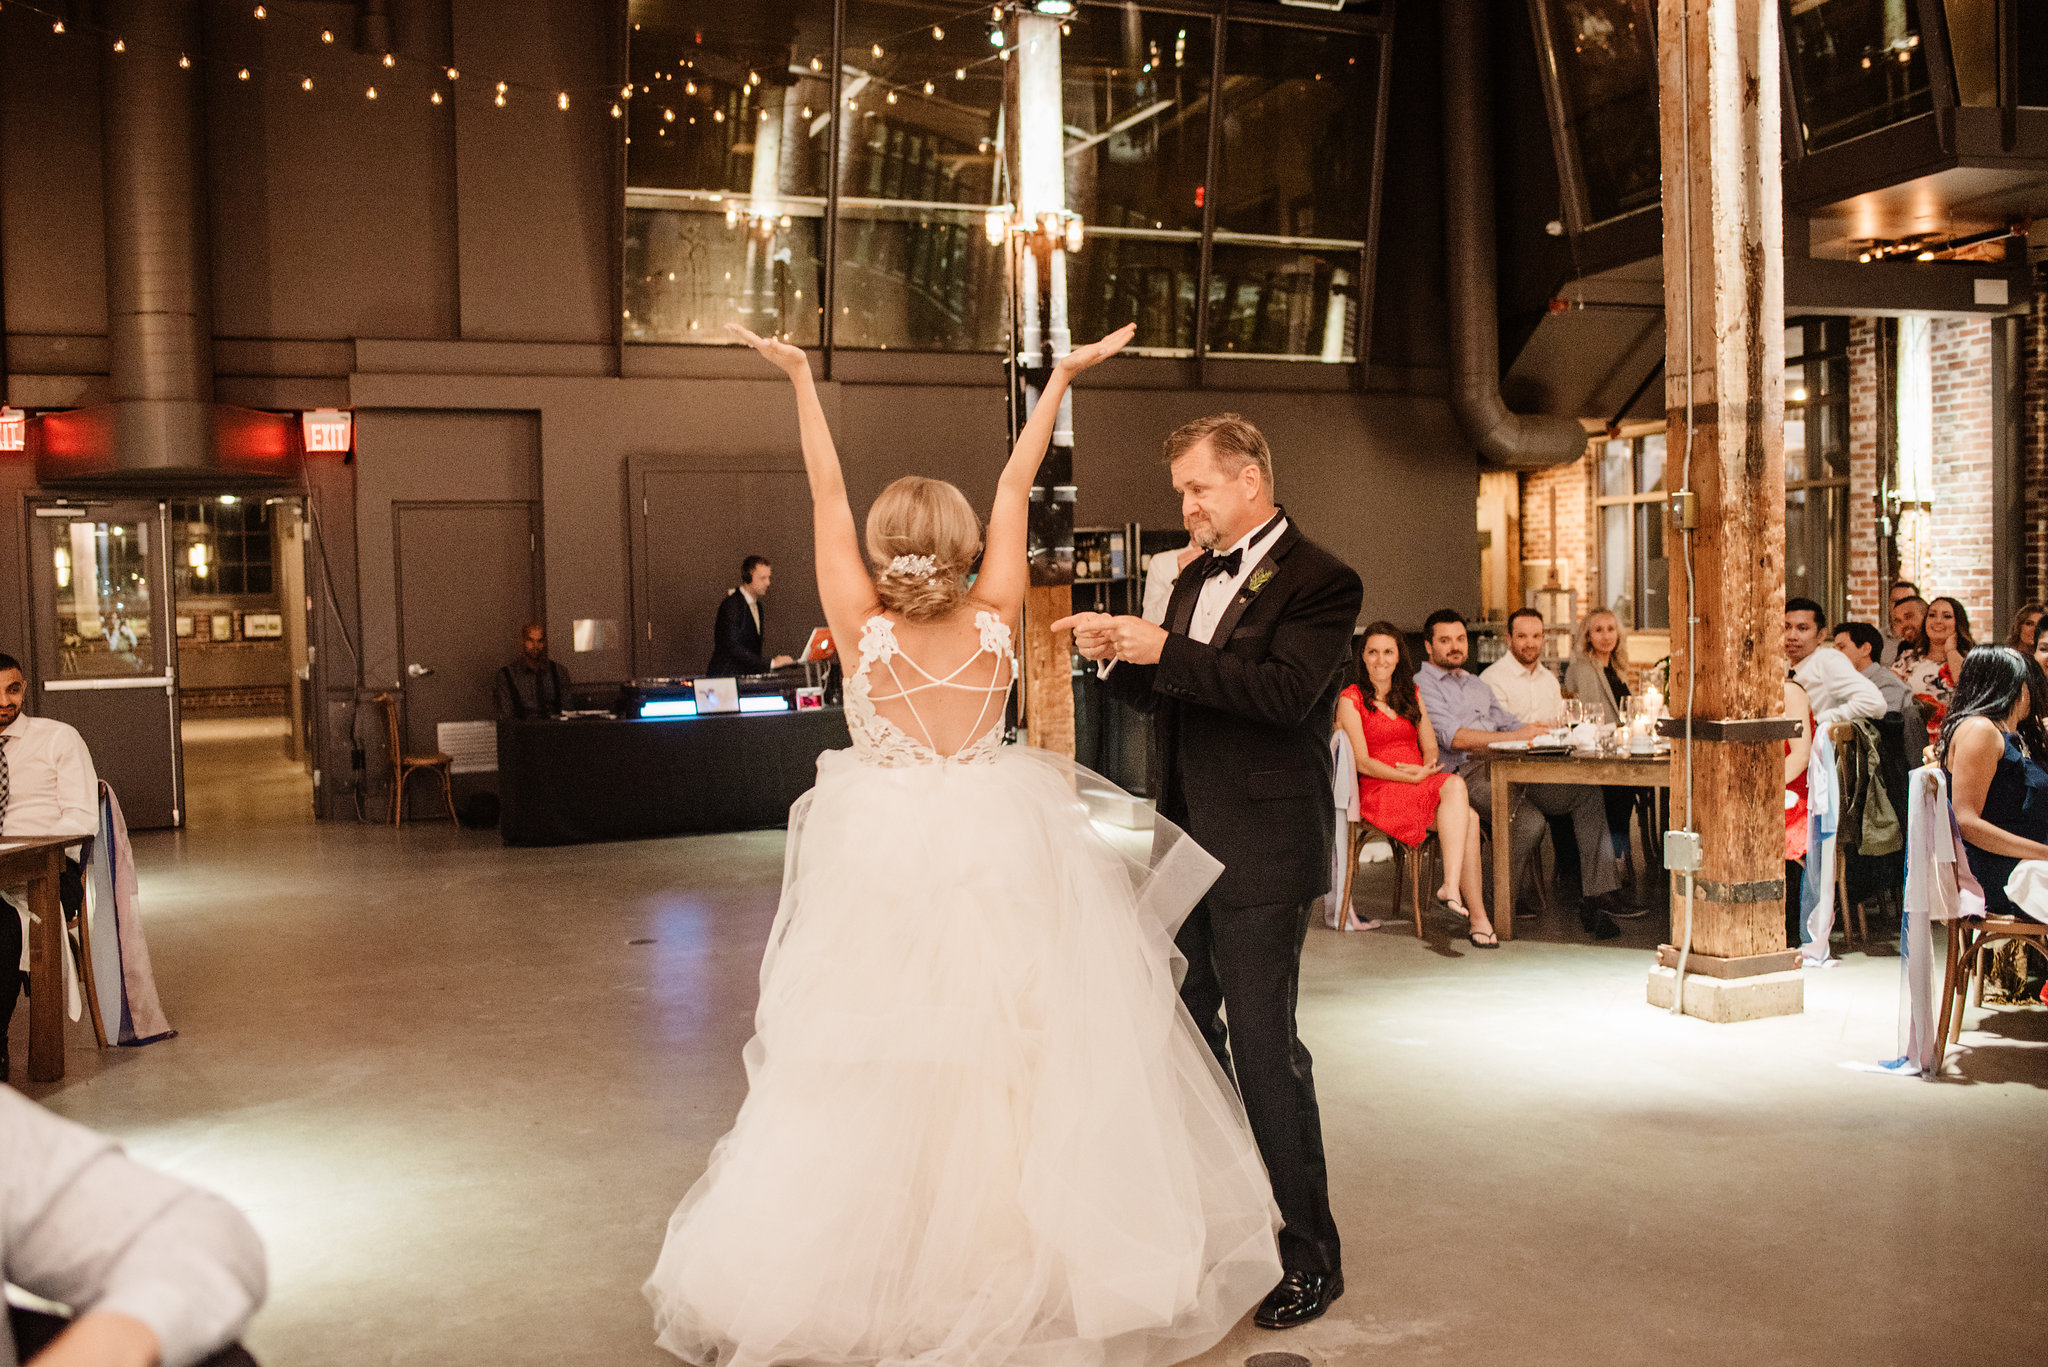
<point>468,578</point>
<point>103,648</point>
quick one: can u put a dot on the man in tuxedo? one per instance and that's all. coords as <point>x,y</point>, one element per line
<point>736,637</point>
<point>1241,682</point>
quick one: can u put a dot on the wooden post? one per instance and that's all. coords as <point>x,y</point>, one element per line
<point>1724,317</point>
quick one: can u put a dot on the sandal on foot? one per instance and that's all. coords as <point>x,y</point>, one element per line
<point>1490,940</point>
<point>1453,906</point>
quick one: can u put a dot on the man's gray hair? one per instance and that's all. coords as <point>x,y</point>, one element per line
<point>1236,442</point>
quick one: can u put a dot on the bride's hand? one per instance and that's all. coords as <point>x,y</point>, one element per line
<point>786,358</point>
<point>1080,358</point>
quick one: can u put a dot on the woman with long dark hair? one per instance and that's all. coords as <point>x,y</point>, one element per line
<point>1401,789</point>
<point>1931,672</point>
<point>1991,748</point>
<point>2026,624</point>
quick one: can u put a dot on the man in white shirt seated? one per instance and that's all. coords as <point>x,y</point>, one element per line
<point>1838,691</point>
<point>1523,683</point>
<point>1861,645</point>
<point>47,787</point>
<point>153,1271</point>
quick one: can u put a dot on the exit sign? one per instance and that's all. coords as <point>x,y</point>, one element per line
<point>328,429</point>
<point>13,430</point>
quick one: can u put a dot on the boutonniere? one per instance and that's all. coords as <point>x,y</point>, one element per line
<point>1260,578</point>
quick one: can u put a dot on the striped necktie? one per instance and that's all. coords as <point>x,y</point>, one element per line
<point>3,777</point>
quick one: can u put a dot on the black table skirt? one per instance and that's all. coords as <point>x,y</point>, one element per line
<point>566,782</point>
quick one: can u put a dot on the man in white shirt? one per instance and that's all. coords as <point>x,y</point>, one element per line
<point>47,787</point>
<point>1520,679</point>
<point>1836,689</point>
<point>155,1271</point>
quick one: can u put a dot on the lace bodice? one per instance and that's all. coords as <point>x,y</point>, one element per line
<point>878,740</point>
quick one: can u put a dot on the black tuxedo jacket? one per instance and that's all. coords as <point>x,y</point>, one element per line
<point>1241,727</point>
<point>735,640</point>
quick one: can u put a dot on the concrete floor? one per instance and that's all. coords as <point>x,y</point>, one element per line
<point>460,1087</point>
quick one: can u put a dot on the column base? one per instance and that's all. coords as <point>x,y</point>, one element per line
<point>1726,1000</point>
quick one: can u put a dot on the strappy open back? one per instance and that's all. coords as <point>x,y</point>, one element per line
<point>926,707</point>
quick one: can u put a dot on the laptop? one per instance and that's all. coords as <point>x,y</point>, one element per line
<point>818,647</point>
<point>717,695</point>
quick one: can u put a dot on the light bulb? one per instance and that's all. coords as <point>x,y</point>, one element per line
<point>326,35</point>
<point>306,84</point>
<point>876,49</point>
<point>243,74</point>
<point>938,34</point>
<point>501,87</point>
<point>668,115</point>
<point>1074,234</point>
<point>499,99</point>
<point>183,60</point>
<point>817,65</point>
<point>892,97</point>
<point>435,97</point>
<point>689,87</point>
<point>371,93</point>
<point>57,27</point>
<point>807,111</point>
<point>753,78</point>
<point>718,116</point>
<point>562,100</point>
<point>120,46</point>
<point>959,73</point>
<point>390,60</point>
<point>617,112</point>
<point>453,74</point>
<point>262,13</point>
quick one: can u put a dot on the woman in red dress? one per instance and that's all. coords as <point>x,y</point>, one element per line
<point>1401,790</point>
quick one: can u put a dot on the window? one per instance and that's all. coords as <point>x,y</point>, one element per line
<point>1857,66</point>
<point>1817,462</point>
<point>221,548</point>
<point>1635,573</point>
<point>1603,59</point>
<point>733,204</point>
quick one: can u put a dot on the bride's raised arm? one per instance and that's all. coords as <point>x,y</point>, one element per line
<point>844,588</point>
<point>1004,573</point>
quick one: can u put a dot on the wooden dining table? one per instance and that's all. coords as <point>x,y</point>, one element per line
<point>34,863</point>
<point>1509,767</point>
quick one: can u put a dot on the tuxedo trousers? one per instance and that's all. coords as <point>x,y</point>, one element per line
<point>1244,975</point>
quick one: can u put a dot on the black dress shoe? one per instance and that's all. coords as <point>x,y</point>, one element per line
<point>1300,1297</point>
<point>1598,923</point>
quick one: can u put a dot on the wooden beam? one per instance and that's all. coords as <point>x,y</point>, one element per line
<point>1724,366</point>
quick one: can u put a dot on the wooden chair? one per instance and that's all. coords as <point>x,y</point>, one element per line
<point>404,766</point>
<point>1969,942</point>
<point>1411,867</point>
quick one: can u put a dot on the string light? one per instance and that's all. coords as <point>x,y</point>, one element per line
<point>501,87</point>
<point>689,87</point>
<point>562,100</point>
<point>717,116</point>
<point>57,27</point>
<point>929,87</point>
<point>938,34</point>
<point>499,99</point>
<point>183,60</point>
<point>817,65</point>
<point>306,84</point>
<point>617,112</point>
<point>807,111</point>
<point>453,74</point>
<point>626,92</point>
<point>668,116</point>
<point>959,73</point>
<point>371,93</point>
<point>326,35</point>
<point>120,46</point>
<point>389,60</point>
<point>262,13</point>
<point>876,49</point>
<point>892,97</point>
<point>435,97</point>
<point>753,78</point>
<point>243,74</point>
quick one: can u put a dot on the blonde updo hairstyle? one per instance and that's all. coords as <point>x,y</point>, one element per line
<point>920,517</point>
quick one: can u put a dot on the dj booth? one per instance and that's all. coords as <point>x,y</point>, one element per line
<point>673,757</point>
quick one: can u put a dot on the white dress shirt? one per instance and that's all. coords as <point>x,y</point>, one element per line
<point>51,786</point>
<point>1836,688</point>
<point>753,605</point>
<point>86,1226</point>
<point>1531,692</point>
<point>1219,589</point>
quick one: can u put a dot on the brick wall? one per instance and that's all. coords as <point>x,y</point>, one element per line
<point>1572,484</point>
<point>1867,597</point>
<point>254,701</point>
<point>1949,551</point>
<point>2034,443</point>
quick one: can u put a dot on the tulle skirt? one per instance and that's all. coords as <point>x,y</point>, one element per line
<point>980,1129</point>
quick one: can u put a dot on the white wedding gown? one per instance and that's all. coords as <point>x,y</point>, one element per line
<point>980,1129</point>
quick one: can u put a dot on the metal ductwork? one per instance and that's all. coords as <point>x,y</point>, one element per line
<point>162,425</point>
<point>1514,441</point>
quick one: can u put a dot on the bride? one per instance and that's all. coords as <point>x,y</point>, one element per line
<point>980,1130</point>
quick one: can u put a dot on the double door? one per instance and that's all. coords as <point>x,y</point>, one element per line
<point>102,647</point>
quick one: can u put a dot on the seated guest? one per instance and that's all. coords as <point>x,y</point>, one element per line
<point>1833,685</point>
<point>1599,647</point>
<point>532,685</point>
<point>1860,645</point>
<point>2040,650</point>
<point>1906,616</point>
<point>737,635</point>
<point>153,1270</point>
<point>1468,718</point>
<point>1992,747</point>
<point>47,787</point>
<point>2025,625</point>
<point>1520,679</point>
<point>1931,671</point>
<point>1160,577</point>
<point>1797,752</point>
<point>1401,788</point>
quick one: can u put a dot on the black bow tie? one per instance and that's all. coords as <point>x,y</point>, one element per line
<point>1212,563</point>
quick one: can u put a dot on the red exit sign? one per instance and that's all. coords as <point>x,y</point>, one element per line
<point>328,429</point>
<point>13,430</point>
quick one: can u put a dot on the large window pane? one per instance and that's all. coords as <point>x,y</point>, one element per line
<point>1283,302</point>
<point>1137,115</point>
<point>1617,592</point>
<point>1857,66</point>
<point>918,159</point>
<point>1615,475</point>
<point>1298,115</point>
<point>101,573</point>
<point>729,129</point>
<point>1652,569</point>
<point>1605,58</point>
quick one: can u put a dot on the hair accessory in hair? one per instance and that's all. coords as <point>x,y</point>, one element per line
<point>913,567</point>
